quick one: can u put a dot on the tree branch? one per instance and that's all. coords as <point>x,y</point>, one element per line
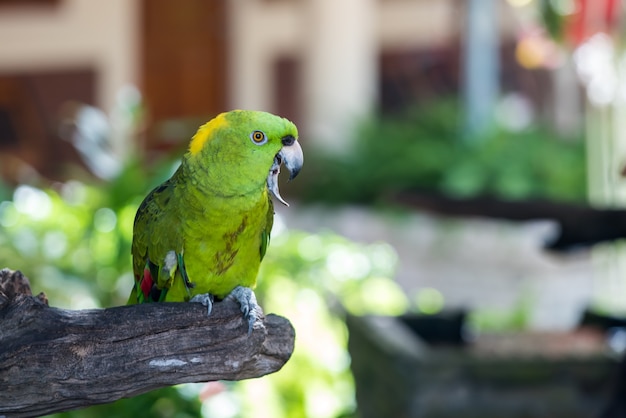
<point>54,360</point>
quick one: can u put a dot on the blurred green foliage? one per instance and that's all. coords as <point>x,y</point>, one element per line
<point>162,403</point>
<point>75,235</point>
<point>311,279</point>
<point>73,242</point>
<point>553,19</point>
<point>422,150</point>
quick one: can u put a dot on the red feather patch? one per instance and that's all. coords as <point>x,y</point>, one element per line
<point>146,283</point>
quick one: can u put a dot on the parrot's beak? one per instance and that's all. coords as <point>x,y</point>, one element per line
<point>291,155</point>
<point>292,158</point>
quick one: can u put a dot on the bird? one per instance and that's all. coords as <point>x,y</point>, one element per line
<point>200,236</point>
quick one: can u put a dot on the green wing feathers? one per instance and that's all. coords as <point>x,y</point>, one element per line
<point>265,234</point>
<point>157,245</point>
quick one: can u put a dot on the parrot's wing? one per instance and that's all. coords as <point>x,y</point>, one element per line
<point>157,244</point>
<point>265,234</point>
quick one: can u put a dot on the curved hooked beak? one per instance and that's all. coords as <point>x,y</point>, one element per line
<point>290,155</point>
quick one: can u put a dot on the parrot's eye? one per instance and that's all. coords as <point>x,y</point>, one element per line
<point>258,137</point>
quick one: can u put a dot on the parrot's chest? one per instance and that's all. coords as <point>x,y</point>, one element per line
<point>218,251</point>
<point>222,252</point>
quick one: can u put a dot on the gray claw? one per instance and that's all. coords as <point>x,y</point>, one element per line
<point>206,299</point>
<point>249,307</point>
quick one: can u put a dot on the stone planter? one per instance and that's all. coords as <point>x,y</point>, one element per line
<point>550,375</point>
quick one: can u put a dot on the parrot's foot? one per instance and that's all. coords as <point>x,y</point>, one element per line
<point>249,307</point>
<point>206,299</point>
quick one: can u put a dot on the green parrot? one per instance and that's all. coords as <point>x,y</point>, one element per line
<point>202,234</point>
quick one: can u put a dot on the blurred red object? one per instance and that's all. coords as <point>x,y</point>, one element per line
<point>591,17</point>
<point>211,389</point>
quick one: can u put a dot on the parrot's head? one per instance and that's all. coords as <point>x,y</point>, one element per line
<point>241,151</point>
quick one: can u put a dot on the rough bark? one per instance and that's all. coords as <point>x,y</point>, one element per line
<point>54,360</point>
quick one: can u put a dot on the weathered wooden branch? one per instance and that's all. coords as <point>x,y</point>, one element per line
<point>54,360</point>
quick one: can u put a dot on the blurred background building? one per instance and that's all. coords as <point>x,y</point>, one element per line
<point>326,65</point>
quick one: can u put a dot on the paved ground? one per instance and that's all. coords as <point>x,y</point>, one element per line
<point>482,264</point>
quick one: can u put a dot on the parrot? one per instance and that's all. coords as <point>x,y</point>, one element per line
<point>200,236</point>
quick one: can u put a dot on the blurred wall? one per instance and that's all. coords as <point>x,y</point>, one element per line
<point>73,33</point>
<point>337,46</point>
<point>316,61</point>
